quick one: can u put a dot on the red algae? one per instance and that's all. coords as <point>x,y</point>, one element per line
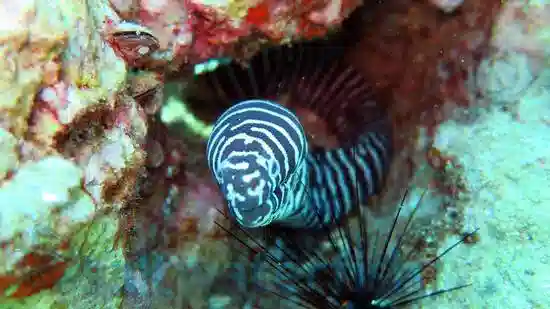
<point>42,279</point>
<point>35,272</point>
<point>258,15</point>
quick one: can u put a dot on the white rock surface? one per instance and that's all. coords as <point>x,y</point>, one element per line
<point>506,167</point>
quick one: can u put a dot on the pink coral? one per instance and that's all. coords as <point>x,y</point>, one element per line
<point>189,32</point>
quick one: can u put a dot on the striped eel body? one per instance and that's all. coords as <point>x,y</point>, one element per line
<point>259,155</point>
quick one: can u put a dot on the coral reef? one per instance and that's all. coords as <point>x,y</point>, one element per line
<point>475,158</point>
<point>437,62</point>
<point>102,204</point>
<point>423,57</point>
<point>81,147</point>
<point>73,140</point>
<point>169,232</point>
<point>190,32</point>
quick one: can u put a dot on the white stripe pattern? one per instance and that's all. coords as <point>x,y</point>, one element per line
<point>256,152</point>
<point>259,156</point>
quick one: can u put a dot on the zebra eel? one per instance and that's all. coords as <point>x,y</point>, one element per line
<point>258,150</point>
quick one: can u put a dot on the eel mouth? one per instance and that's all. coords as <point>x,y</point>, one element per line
<point>250,217</point>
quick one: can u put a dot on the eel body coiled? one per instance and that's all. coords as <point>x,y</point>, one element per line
<point>258,151</point>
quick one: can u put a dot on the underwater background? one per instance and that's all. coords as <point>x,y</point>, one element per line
<point>274,154</point>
